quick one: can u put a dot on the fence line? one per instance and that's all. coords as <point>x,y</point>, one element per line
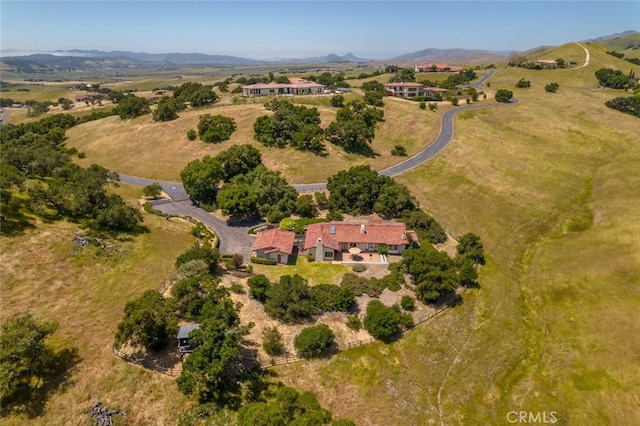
<point>140,362</point>
<point>288,359</point>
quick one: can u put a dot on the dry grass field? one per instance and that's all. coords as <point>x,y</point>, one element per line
<point>141,147</point>
<point>86,294</point>
<point>552,187</point>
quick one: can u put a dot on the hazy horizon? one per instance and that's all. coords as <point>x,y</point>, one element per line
<point>268,30</point>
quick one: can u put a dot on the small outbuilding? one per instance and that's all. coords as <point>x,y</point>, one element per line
<point>183,338</point>
<point>274,244</point>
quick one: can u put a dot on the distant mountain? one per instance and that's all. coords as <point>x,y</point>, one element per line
<point>612,36</point>
<point>332,57</point>
<point>449,56</point>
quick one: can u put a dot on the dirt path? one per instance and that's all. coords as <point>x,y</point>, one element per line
<point>587,58</point>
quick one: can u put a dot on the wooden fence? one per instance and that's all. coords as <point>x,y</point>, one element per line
<point>175,371</point>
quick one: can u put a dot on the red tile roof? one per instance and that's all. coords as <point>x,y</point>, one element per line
<point>274,240</point>
<point>378,232</point>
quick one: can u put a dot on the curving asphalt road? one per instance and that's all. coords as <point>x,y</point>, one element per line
<point>234,237</point>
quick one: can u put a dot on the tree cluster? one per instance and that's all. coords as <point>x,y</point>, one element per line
<point>196,94</point>
<point>373,93</point>
<point>628,105</point>
<point>403,75</point>
<point>34,153</point>
<point>260,192</point>
<point>330,80</point>
<point>460,78</point>
<point>435,274</point>
<point>615,79</point>
<point>131,106</point>
<point>281,406</point>
<point>354,127</point>
<point>202,177</point>
<point>215,128</point>
<point>361,191</point>
<point>167,109</point>
<point>293,125</point>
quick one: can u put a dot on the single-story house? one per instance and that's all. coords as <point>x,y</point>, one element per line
<point>274,244</point>
<point>297,86</point>
<point>405,89</point>
<point>437,68</point>
<point>183,338</point>
<point>324,240</point>
<point>544,63</point>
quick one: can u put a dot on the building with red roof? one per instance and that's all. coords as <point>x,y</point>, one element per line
<point>274,244</point>
<point>296,86</point>
<point>324,240</point>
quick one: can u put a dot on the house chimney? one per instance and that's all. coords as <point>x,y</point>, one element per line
<point>362,230</point>
<point>319,251</point>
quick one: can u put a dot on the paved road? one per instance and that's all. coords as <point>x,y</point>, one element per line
<point>234,238</point>
<point>5,115</point>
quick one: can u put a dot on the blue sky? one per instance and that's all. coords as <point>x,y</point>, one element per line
<point>267,29</point>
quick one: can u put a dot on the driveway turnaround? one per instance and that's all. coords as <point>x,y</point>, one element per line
<point>234,237</point>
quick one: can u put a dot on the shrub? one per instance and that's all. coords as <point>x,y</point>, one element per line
<point>392,281</point>
<point>423,105</point>
<point>272,342</point>
<point>522,83</point>
<point>210,255</point>
<point>330,297</point>
<point>263,261</point>
<point>360,285</point>
<point>314,340</point>
<point>258,287</point>
<point>382,322</point>
<point>354,323</point>
<point>408,303</point>
<point>192,135</point>
<point>551,87</point>
<point>289,299</point>
<point>359,268</point>
<point>216,128</point>
<point>433,106</point>
<point>504,96</point>
<point>237,288</point>
<point>383,249</point>
<point>321,200</point>
<point>399,151</point>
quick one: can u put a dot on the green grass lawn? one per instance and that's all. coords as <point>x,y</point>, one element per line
<point>314,272</point>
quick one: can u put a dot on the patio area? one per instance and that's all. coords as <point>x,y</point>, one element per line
<point>366,258</point>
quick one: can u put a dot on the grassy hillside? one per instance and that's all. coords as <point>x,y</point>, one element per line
<point>551,186</point>
<point>86,292</point>
<point>629,45</point>
<point>141,147</point>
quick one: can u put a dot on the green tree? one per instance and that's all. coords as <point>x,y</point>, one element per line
<point>208,372</point>
<point>470,247</point>
<point>216,128</point>
<point>210,255</point>
<point>167,109</point>
<point>337,101</point>
<point>65,103</point>
<point>192,135</point>
<point>258,287</point>
<point>321,200</point>
<point>403,74</point>
<point>433,106</point>
<point>433,272</point>
<point>148,322</point>
<point>427,228</point>
<point>289,299</point>
<point>237,160</point>
<point>468,275</point>
<point>23,355</point>
<point>154,190</point>
<point>314,340</point>
<point>522,83</point>
<point>628,105</point>
<point>195,93</point>
<point>272,341</point>
<point>393,199</point>
<point>201,177</point>
<point>238,199</point>
<point>332,298</point>
<point>382,322</point>
<point>131,107</point>
<point>423,105</point>
<point>305,206</point>
<point>354,127</point>
<point>504,96</point>
<point>407,303</point>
